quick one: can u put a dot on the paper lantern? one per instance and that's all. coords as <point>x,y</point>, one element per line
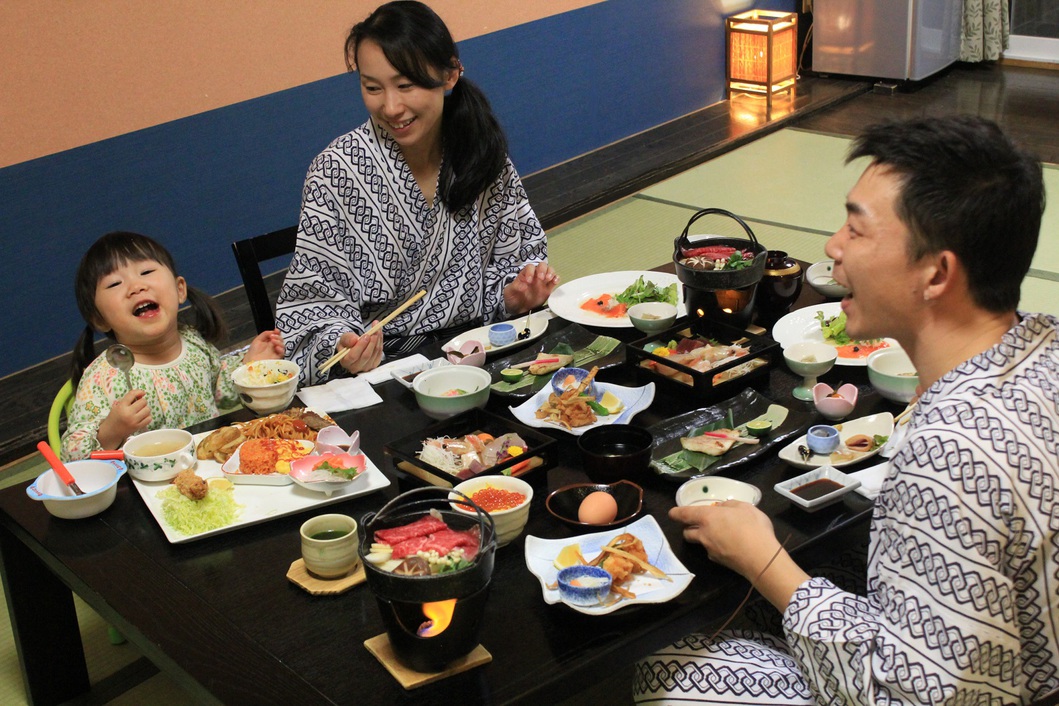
<point>762,51</point>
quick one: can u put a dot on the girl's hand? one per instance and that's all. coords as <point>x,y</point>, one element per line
<point>365,352</point>
<point>128,415</point>
<point>267,345</point>
<point>530,288</point>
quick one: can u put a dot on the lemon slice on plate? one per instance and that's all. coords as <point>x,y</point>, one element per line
<point>611,402</point>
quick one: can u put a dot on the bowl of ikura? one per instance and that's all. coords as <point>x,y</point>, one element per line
<point>429,567</point>
<point>506,499</point>
<point>266,386</point>
<point>445,392</point>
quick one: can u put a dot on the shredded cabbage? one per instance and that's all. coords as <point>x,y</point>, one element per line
<point>218,509</point>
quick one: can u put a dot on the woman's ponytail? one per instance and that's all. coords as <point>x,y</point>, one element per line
<point>474,145</point>
<point>208,318</point>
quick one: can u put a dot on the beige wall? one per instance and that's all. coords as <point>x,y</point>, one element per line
<point>75,72</point>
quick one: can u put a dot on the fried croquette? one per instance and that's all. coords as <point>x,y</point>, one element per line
<point>190,485</point>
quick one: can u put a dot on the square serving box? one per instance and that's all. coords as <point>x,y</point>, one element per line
<point>845,482</point>
<point>541,452</point>
<point>703,383</point>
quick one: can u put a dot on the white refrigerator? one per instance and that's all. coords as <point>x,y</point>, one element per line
<point>904,40</point>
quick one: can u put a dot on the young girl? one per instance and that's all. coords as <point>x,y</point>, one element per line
<point>127,287</point>
<point>421,196</point>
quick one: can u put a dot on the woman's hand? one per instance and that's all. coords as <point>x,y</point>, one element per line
<point>738,535</point>
<point>365,352</point>
<point>267,345</point>
<point>530,288</point>
<point>128,415</point>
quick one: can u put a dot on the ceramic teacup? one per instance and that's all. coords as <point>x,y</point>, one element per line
<point>160,454</point>
<point>329,545</point>
<point>822,439</point>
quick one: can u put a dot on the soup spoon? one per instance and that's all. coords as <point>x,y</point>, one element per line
<point>121,358</point>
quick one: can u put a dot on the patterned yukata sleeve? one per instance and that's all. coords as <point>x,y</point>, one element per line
<point>92,401</point>
<point>514,237</point>
<point>320,297</point>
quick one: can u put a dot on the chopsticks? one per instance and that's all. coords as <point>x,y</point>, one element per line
<point>906,415</point>
<point>330,362</point>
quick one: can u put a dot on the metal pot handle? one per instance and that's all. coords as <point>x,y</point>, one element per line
<point>684,242</point>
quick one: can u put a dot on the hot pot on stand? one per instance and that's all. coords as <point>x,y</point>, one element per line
<point>720,295</point>
<point>431,620</point>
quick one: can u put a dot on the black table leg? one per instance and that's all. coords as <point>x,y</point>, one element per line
<point>44,625</point>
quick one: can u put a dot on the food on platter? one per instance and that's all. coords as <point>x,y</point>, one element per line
<point>467,456</point>
<point>189,516</point>
<point>605,305</point>
<point>190,485</point>
<point>424,547</point>
<point>622,558</point>
<point>716,442</point>
<point>572,408</point>
<point>265,456</point>
<point>834,330</point>
<point>546,363</point>
<point>700,355</point>
<point>266,372</point>
<point>330,468</point>
<point>716,257</point>
<point>295,423</point>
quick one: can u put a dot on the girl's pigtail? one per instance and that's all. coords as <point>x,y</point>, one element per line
<point>83,354</point>
<point>209,320</point>
<point>474,144</point>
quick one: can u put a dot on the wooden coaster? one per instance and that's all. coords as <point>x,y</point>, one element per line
<point>317,586</point>
<point>410,679</point>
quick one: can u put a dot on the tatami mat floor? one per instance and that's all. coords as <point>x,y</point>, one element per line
<point>790,188</point>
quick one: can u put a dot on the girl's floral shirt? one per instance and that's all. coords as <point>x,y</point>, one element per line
<point>194,387</point>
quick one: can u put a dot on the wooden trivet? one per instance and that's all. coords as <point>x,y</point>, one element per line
<point>410,679</point>
<point>317,586</point>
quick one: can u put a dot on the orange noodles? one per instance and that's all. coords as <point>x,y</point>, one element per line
<point>605,305</point>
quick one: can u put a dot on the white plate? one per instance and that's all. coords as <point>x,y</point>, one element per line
<point>540,553</point>
<point>881,424</point>
<point>230,469</point>
<point>635,399</point>
<point>538,326</point>
<point>848,483</point>
<point>567,298</point>
<point>260,503</point>
<point>802,325</point>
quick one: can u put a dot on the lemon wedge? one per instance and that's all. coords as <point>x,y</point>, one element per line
<point>570,555</point>
<point>220,484</point>
<point>611,402</point>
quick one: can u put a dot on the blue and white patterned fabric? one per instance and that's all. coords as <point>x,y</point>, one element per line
<point>368,240</point>
<point>963,570</point>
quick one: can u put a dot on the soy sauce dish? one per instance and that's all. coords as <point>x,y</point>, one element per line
<point>817,488</point>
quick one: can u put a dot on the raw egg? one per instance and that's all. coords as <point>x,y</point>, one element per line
<point>598,508</point>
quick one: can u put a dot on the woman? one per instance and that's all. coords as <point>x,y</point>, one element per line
<point>421,196</point>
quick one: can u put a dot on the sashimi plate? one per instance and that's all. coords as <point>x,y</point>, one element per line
<point>541,553</point>
<point>260,503</point>
<point>802,325</point>
<point>566,300</point>
<point>634,399</point>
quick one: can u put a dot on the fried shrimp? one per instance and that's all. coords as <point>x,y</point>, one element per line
<point>190,485</point>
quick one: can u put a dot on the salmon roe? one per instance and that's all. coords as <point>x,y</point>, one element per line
<point>493,499</point>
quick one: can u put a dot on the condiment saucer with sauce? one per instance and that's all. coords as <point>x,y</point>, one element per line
<point>817,488</point>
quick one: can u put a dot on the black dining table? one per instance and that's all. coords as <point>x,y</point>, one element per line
<point>220,617</point>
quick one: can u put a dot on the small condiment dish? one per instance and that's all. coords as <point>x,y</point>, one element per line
<point>834,404</point>
<point>583,585</point>
<point>820,276</point>
<point>652,317</point>
<point>98,480</point>
<point>822,439</point>
<point>891,372</point>
<point>568,378</point>
<point>502,334</point>
<point>471,353</point>
<point>563,504</point>
<point>817,488</point>
<point>711,490</point>
<point>509,522</point>
<point>305,472</point>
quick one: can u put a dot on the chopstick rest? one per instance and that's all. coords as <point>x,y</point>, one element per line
<point>341,353</point>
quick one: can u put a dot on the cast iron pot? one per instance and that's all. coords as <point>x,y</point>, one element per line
<point>712,280</point>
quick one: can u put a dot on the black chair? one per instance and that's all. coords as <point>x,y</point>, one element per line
<point>249,254</point>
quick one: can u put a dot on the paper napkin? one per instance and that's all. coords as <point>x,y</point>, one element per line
<point>382,373</point>
<point>871,479</point>
<point>339,395</point>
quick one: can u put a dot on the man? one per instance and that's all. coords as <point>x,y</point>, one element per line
<point>963,567</point>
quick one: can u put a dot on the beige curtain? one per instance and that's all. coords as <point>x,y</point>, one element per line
<point>986,25</point>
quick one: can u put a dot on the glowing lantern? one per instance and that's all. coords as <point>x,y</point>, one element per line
<point>762,51</point>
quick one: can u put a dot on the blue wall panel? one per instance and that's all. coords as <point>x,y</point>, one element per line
<point>562,86</point>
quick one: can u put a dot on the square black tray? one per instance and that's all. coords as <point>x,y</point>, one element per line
<point>541,452</point>
<point>702,383</point>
